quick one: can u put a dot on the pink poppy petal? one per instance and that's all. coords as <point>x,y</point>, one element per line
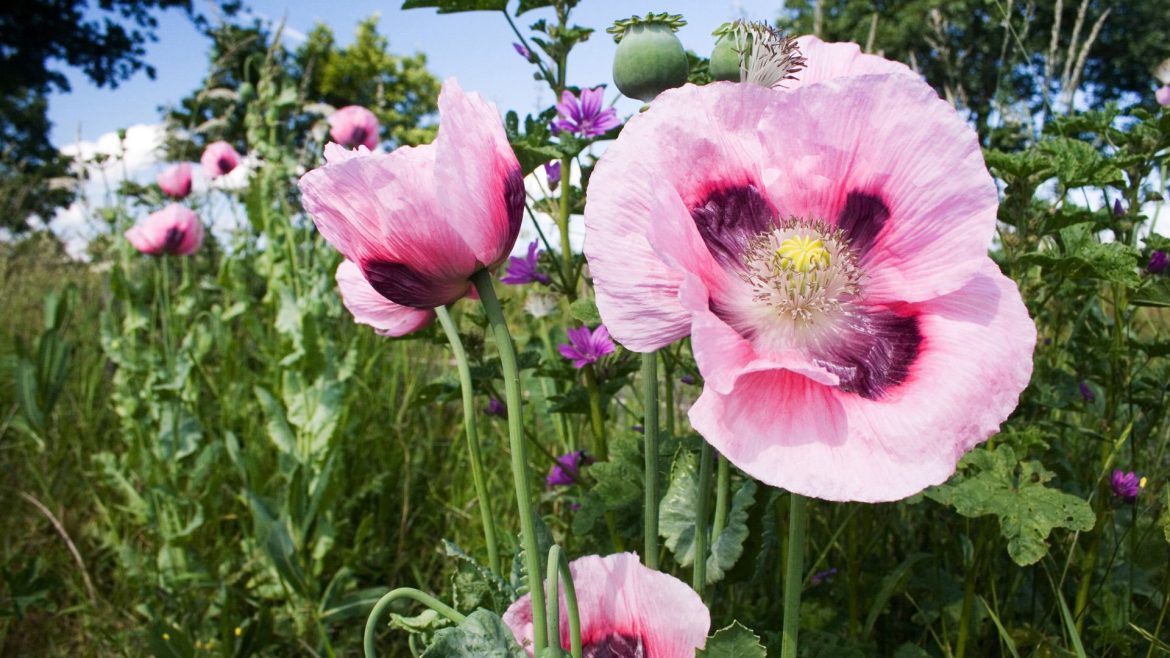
<point>382,212</point>
<point>219,159</point>
<point>621,601</point>
<point>893,166</point>
<point>369,307</point>
<point>481,191</point>
<point>791,432</point>
<point>826,60</point>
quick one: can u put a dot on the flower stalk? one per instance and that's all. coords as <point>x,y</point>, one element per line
<point>793,575</point>
<point>371,632</point>
<point>702,510</point>
<point>491,306</point>
<point>558,565</point>
<point>650,446</point>
<point>473,449</point>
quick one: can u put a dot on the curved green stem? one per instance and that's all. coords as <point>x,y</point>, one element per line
<point>701,513</point>
<point>563,213</point>
<point>596,415</point>
<point>650,445</point>
<point>557,564</point>
<point>371,634</point>
<point>469,423</point>
<point>495,315</point>
<point>722,497</point>
<point>793,575</point>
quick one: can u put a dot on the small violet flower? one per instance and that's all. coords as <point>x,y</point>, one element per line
<point>822,576</point>
<point>1118,209</point>
<point>564,471</point>
<point>689,380</point>
<point>496,408</point>
<point>523,269</point>
<point>1126,486</point>
<point>1158,262</point>
<point>585,347</point>
<point>522,51</point>
<point>584,117</point>
<point>1087,393</point>
<point>552,171</point>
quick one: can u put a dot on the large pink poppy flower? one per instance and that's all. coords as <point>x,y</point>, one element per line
<point>173,230</point>
<point>826,248</point>
<point>420,221</point>
<point>627,611</point>
<point>219,159</point>
<point>368,307</point>
<point>354,125</point>
<point>175,182</point>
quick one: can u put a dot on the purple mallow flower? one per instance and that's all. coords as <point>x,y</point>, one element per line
<point>1087,393</point>
<point>584,117</point>
<point>524,52</point>
<point>552,170</point>
<point>523,269</point>
<point>1158,262</point>
<point>564,472</point>
<point>1118,209</point>
<point>1126,486</point>
<point>585,347</point>
<point>689,380</point>
<point>496,408</point>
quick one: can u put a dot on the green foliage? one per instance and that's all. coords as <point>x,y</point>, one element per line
<point>996,482</point>
<point>735,641</point>
<point>481,635</point>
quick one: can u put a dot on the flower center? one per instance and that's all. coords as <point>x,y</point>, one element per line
<point>804,270</point>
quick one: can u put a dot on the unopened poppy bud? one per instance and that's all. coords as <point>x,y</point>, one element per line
<point>650,59</point>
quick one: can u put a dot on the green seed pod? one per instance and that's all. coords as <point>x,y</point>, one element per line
<point>650,59</point>
<point>725,59</point>
<point>247,92</point>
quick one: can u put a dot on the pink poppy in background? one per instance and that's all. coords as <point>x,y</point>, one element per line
<point>1163,95</point>
<point>626,609</point>
<point>420,221</point>
<point>175,182</point>
<point>368,307</point>
<point>825,247</point>
<point>219,159</point>
<point>173,230</point>
<point>353,126</point>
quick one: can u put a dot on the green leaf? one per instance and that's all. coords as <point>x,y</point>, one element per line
<point>890,584</point>
<point>1085,257</point>
<point>996,482</point>
<point>279,430</point>
<point>728,546</point>
<point>735,641</point>
<point>456,6</point>
<point>168,642</point>
<point>481,635</point>
<point>1078,164</point>
<point>1155,292</point>
<point>585,310</point>
<point>273,536</point>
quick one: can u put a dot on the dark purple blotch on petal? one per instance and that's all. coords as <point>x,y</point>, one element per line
<point>514,203</point>
<point>357,137</point>
<point>225,165</point>
<point>729,217</point>
<point>875,354</point>
<point>862,220</point>
<point>404,285</point>
<point>173,239</point>
<point>615,646</point>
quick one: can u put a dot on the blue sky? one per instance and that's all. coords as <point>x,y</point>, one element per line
<point>473,47</point>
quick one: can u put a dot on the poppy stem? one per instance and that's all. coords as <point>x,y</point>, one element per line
<point>495,315</point>
<point>563,213</point>
<point>596,414</point>
<point>469,424</point>
<point>557,564</point>
<point>702,511</point>
<point>793,575</point>
<point>371,634</point>
<point>650,445</point>
<point>722,497</point>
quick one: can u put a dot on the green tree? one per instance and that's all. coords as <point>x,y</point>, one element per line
<point>106,43</point>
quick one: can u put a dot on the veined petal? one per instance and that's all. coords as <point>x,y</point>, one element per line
<point>479,186</point>
<point>817,440</point>
<point>369,307</point>
<point>828,60</point>
<point>895,167</point>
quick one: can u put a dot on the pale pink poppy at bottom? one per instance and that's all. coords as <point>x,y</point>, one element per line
<point>626,610</point>
<point>175,181</point>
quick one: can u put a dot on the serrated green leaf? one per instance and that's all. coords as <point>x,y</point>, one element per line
<point>273,536</point>
<point>1154,293</point>
<point>481,635</point>
<point>279,430</point>
<point>735,641</point>
<point>727,548</point>
<point>1078,164</point>
<point>996,482</point>
<point>1086,257</point>
<point>424,622</point>
<point>585,310</point>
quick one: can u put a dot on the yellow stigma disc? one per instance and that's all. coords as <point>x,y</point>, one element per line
<point>803,253</point>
